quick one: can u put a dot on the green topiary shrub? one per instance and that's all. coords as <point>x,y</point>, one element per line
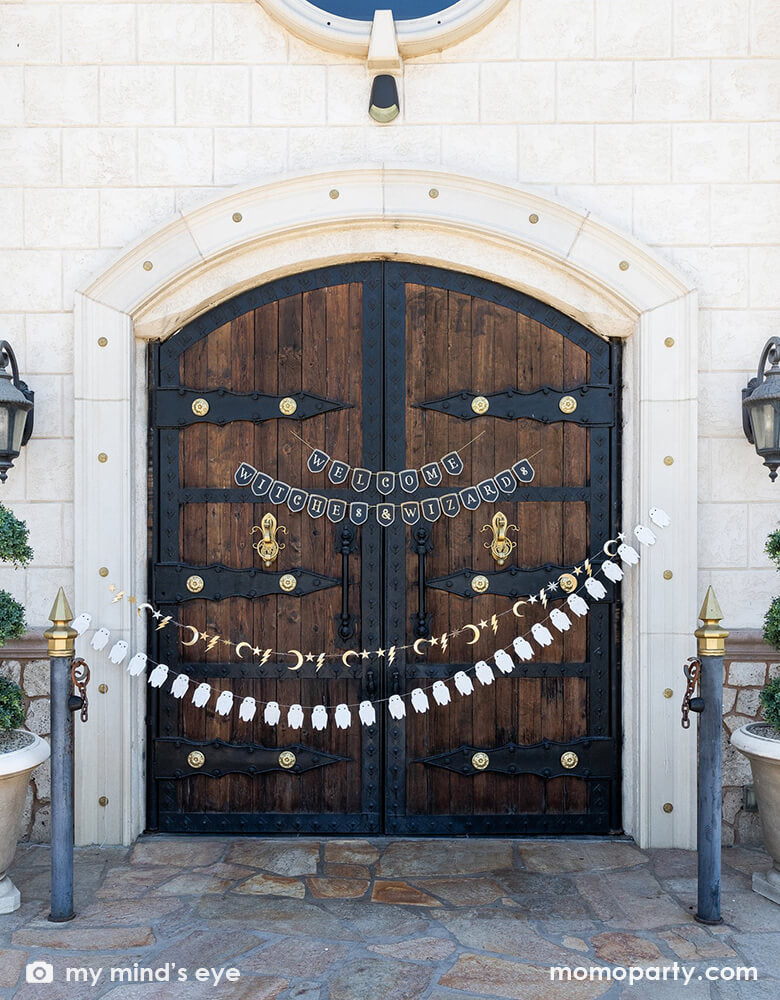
<point>12,622</point>
<point>772,624</point>
<point>770,702</point>
<point>12,714</point>
<point>14,539</point>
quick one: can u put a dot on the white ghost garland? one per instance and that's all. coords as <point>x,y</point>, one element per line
<point>180,686</point>
<point>367,713</point>
<point>523,648</point>
<point>420,701</point>
<point>224,703</point>
<point>82,622</point>
<point>560,620</point>
<point>628,554</point>
<point>542,634</point>
<point>463,683</point>
<point>504,661</point>
<point>645,535</point>
<point>118,651</point>
<point>441,693</point>
<point>201,695</point>
<point>483,672</point>
<point>100,639</point>
<point>578,606</point>
<point>660,517</point>
<point>612,571</point>
<point>342,716</point>
<point>159,675</point>
<point>137,664</point>
<point>272,713</point>
<point>295,716</point>
<point>396,706</point>
<point>319,717</point>
<point>595,588</point>
<point>247,710</point>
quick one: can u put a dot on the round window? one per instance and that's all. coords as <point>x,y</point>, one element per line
<point>345,25</point>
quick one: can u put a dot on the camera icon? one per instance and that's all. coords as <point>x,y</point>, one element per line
<point>39,972</point>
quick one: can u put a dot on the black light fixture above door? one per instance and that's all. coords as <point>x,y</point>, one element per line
<point>384,105</point>
<point>16,410</point>
<point>761,408</point>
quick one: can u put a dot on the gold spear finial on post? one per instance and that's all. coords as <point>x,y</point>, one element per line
<point>711,638</point>
<point>61,637</point>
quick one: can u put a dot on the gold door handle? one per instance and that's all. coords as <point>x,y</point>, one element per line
<point>268,547</point>
<point>500,546</point>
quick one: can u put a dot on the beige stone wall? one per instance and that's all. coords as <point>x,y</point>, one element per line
<point>749,664</point>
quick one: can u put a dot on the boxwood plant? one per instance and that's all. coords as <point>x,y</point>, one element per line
<point>12,714</point>
<point>14,549</point>
<point>772,617</point>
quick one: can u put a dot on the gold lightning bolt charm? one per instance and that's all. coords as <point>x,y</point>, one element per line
<point>587,567</point>
<point>164,622</point>
<point>443,642</point>
<point>118,597</point>
<point>266,656</point>
<point>212,642</point>
<point>494,624</point>
<point>320,661</point>
<point>543,597</point>
<point>391,655</point>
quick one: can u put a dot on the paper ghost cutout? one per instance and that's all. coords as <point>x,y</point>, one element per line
<point>247,711</point>
<point>295,716</point>
<point>201,695</point>
<point>441,693</point>
<point>343,716</point>
<point>660,517</point>
<point>396,706</point>
<point>628,554</point>
<point>319,717</point>
<point>523,648</point>
<point>645,535</point>
<point>180,686</point>
<point>560,620</point>
<point>578,606</point>
<point>82,622</point>
<point>463,683</point>
<point>137,664</point>
<point>118,651</point>
<point>100,639</point>
<point>483,672</point>
<point>367,713</point>
<point>612,571</point>
<point>420,701</point>
<point>595,588</point>
<point>542,634</point>
<point>271,715</point>
<point>158,676</point>
<point>504,661</point>
<point>224,703</point>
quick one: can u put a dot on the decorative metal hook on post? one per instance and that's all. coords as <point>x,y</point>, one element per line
<point>61,638</point>
<point>707,670</point>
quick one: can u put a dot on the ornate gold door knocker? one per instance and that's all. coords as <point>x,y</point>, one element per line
<point>268,547</point>
<point>500,547</point>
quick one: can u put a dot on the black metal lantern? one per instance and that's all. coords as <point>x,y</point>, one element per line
<point>761,408</point>
<point>16,411</point>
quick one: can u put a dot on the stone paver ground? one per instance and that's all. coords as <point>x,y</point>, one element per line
<point>388,919</point>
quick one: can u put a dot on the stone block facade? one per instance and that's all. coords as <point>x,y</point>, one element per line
<point>749,664</point>
<point>26,662</point>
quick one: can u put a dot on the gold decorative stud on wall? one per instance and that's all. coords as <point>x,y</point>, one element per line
<point>196,759</point>
<point>287,759</point>
<point>480,760</point>
<point>479,584</point>
<point>288,583</point>
<point>200,407</point>
<point>195,583</point>
<point>287,406</point>
<point>569,760</point>
<point>567,404</point>
<point>480,404</point>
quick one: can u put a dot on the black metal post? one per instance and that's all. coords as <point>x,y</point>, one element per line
<point>61,639</point>
<point>711,648</point>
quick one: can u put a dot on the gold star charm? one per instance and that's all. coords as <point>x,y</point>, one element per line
<point>380,652</point>
<point>111,587</point>
<point>256,651</point>
<point>532,599</point>
<point>364,654</point>
<point>309,657</point>
<point>433,641</point>
<point>482,624</point>
<point>132,599</point>
<point>577,570</point>
<point>621,536</point>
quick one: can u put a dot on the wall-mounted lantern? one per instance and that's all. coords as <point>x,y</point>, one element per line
<point>384,105</point>
<point>761,408</point>
<point>16,411</point>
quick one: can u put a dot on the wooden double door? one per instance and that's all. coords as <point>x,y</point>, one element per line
<point>382,366</point>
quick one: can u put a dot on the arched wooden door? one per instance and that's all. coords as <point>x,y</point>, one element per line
<point>383,362</point>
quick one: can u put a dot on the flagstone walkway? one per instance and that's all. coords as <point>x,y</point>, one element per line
<point>388,920</point>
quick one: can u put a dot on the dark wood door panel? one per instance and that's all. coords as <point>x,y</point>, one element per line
<point>370,351</point>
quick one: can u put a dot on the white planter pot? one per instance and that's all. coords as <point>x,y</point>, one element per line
<point>15,769</point>
<point>763,752</point>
